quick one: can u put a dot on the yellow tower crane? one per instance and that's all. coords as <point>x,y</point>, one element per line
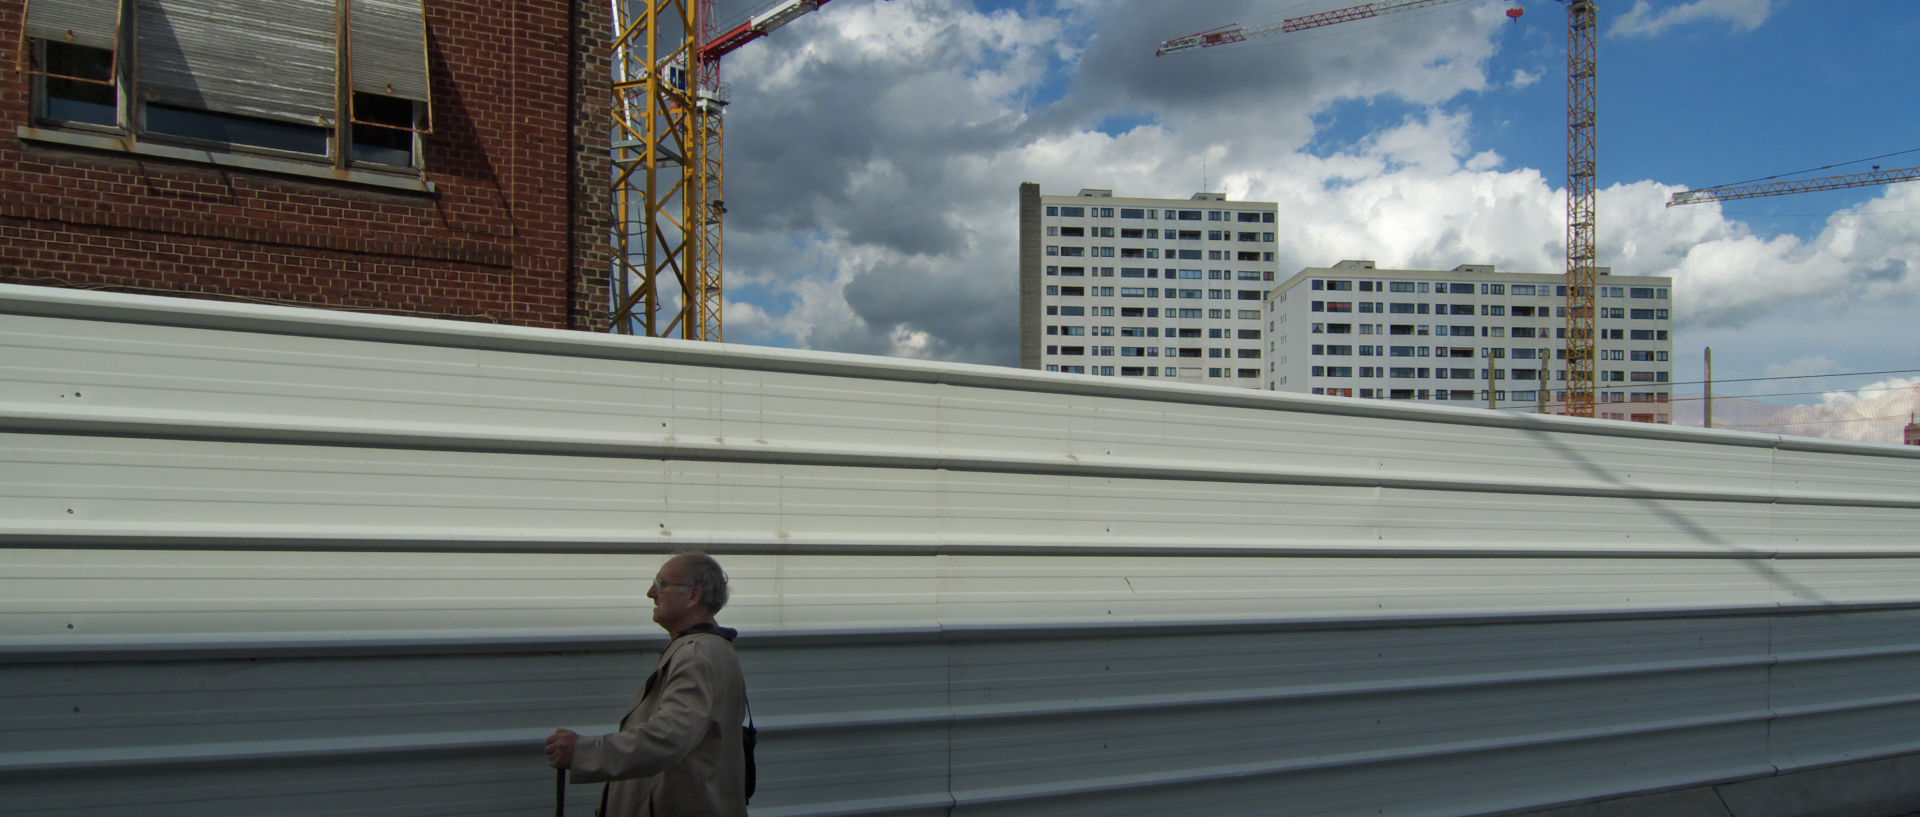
<point>1582,153</point>
<point>668,174</point>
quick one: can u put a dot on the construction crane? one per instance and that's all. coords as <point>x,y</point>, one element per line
<point>1582,154</point>
<point>668,183</point>
<point>1729,192</point>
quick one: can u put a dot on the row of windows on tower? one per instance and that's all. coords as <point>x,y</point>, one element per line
<point>1468,373</point>
<point>1171,253</point>
<point>1155,213</point>
<point>1559,332</point>
<point>1184,313</point>
<point>1368,350</point>
<point>1485,310</point>
<point>1169,273</point>
<point>1060,231</point>
<point>1457,288</point>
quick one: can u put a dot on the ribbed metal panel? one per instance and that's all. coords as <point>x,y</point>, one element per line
<point>272,61</point>
<point>389,48</point>
<point>274,561</point>
<point>92,23</point>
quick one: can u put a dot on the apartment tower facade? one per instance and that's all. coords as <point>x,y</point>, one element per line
<point>1469,336</point>
<point>1167,289</point>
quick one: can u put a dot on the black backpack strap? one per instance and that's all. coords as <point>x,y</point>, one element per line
<point>749,735</point>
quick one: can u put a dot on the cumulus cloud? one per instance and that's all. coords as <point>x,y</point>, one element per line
<point>1644,21</point>
<point>1876,412</point>
<point>875,151</point>
<point>1802,367</point>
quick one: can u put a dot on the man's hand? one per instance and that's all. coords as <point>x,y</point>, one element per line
<point>560,748</point>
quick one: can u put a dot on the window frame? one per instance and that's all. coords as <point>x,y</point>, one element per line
<point>216,135</point>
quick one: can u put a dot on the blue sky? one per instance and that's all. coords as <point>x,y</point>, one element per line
<point>874,150</point>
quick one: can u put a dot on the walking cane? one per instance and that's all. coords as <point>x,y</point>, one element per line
<point>559,793</point>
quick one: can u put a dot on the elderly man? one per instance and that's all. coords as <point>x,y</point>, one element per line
<point>678,751</point>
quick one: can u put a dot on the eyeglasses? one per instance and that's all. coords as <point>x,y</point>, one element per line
<point>657,584</point>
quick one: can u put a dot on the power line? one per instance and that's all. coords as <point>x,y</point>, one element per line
<point>1719,380</point>
<point>1812,169</point>
<point>1671,399</point>
<point>1812,422</point>
<point>1792,394</point>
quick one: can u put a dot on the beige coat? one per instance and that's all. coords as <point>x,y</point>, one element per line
<point>677,753</point>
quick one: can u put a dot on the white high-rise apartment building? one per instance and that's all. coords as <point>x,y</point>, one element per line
<point>1469,336</point>
<point>1154,288</point>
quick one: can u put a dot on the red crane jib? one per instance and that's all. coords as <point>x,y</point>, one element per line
<point>1327,18</point>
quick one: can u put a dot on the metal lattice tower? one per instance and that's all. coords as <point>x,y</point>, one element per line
<point>665,148</point>
<point>668,181</point>
<point>1582,148</point>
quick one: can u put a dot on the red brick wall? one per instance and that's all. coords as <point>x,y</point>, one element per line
<point>490,244</point>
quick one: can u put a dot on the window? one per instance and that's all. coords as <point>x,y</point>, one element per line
<point>1073,212</point>
<point>194,76</point>
<point>1132,212</point>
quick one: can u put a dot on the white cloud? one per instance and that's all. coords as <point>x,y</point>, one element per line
<point>1642,20</point>
<point>1802,366</point>
<point>874,158</point>
<point>1523,78</point>
<point>1876,412</point>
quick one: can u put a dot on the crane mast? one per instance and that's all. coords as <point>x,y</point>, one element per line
<point>1582,149</point>
<point>1756,190</point>
<point>669,177</point>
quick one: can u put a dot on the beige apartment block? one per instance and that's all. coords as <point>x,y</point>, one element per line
<point>1469,336</point>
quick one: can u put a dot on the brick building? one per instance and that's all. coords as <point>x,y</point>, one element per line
<point>440,158</point>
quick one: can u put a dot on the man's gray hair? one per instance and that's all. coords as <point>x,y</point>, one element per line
<point>705,573</point>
